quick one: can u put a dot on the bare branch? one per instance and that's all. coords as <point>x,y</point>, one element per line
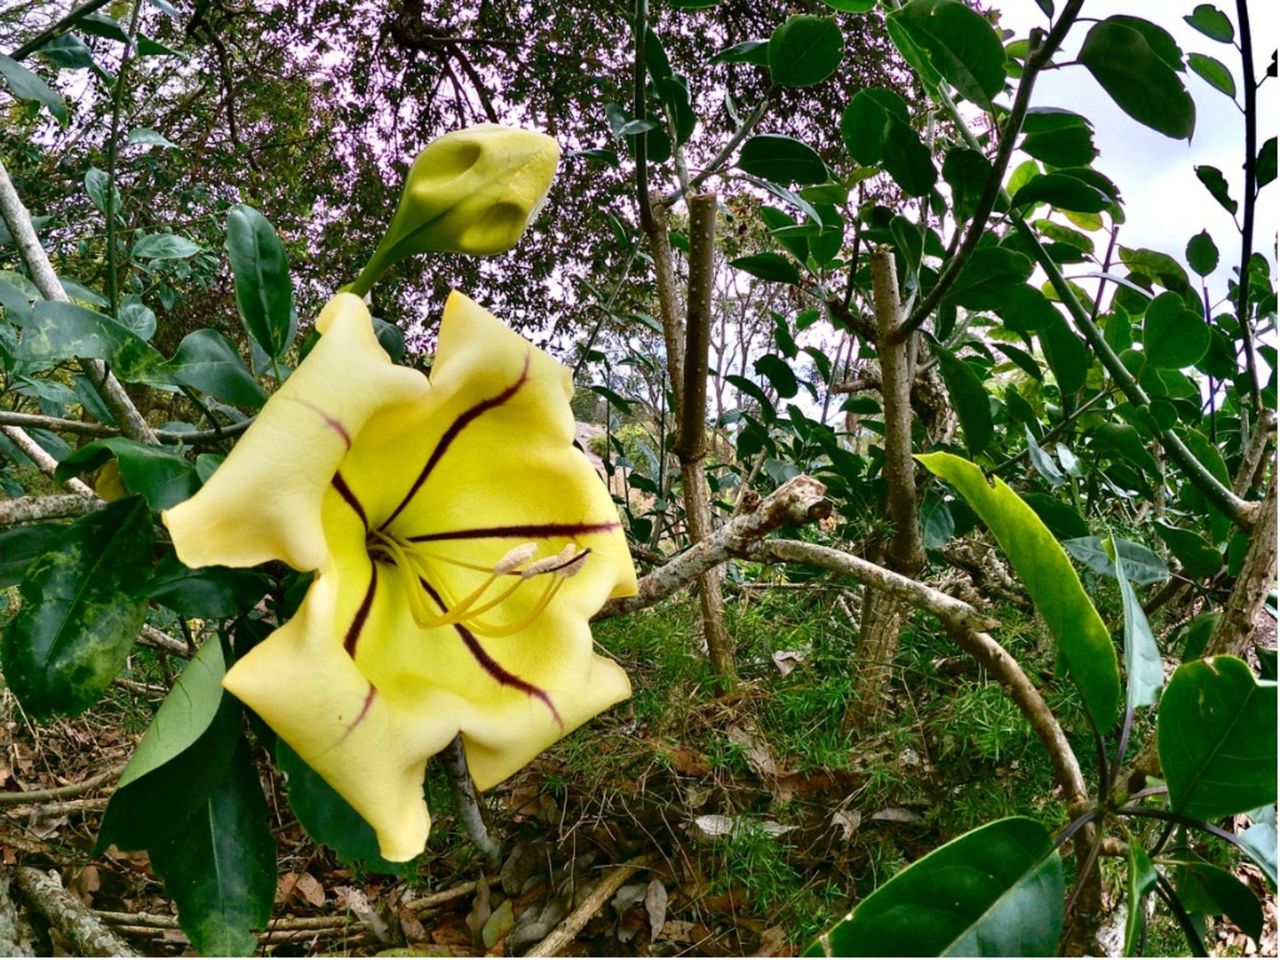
<point>21,510</point>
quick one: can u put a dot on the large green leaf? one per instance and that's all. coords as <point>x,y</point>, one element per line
<point>54,330</point>
<point>329,819</point>
<point>768,266</point>
<point>1259,841</point>
<point>1202,253</point>
<point>164,246</point>
<point>1058,137</point>
<point>82,608</point>
<point>862,125</point>
<point>1062,191</point>
<point>961,44</point>
<point>1216,732</point>
<point>26,85</point>
<point>1208,889</point>
<point>1141,565</point>
<point>182,756</point>
<point>207,361</point>
<point>1142,880</point>
<point>1069,357</point>
<point>1050,579</point>
<point>994,892</point>
<point>1213,72</point>
<point>805,50</point>
<point>1141,83</point>
<point>983,282</point>
<point>968,396</point>
<point>1212,22</point>
<point>21,546</point>
<point>264,292</point>
<point>1199,558</point>
<point>966,172</point>
<point>782,159</point>
<point>220,865</point>
<point>164,479</point>
<point>1144,670</point>
<point>1173,336</point>
<point>906,159</point>
<point>210,592</point>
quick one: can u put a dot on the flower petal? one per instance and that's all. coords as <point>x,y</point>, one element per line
<point>264,502</point>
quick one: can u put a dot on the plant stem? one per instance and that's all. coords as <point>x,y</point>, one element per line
<point>56,29</point>
<point>113,137</point>
<point>1250,198</point>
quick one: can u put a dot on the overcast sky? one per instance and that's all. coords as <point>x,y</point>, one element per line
<point>1164,202</point>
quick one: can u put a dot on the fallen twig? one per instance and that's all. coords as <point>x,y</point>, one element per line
<point>572,925</point>
<point>61,793</point>
<point>448,895</point>
<point>86,933</point>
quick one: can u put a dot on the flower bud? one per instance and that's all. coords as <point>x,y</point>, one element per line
<point>471,191</point>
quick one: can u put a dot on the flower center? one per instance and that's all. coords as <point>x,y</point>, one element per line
<point>434,603</point>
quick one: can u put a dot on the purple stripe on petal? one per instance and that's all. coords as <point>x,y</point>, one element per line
<point>497,671</point>
<point>528,531</point>
<point>353,502</point>
<point>333,423</point>
<point>451,434</point>
<point>362,614</point>
<point>364,712</point>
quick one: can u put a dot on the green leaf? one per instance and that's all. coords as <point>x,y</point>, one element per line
<point>779,374</point>
<point>21,546</point>
<point>138,317</point>
<point>1050,579</point>
<point>1141,83</point>
<point>1069,145</point>
<point>1202,253</point>
<point>1061,519</point>
<point>1144,670</point>
<point>862,124</point>
<point>164,479</point>
<point>907,160</point>
<point>82,608</point>
<point>145,136</point>
<point>1216,184</point>
<point>1216,733</point>
<point>1208,889</point>
<point>1025,361</point>
<point>1126,442</point>
<point>184,753</point>
<point>996,891</point>
<point>330,820</point>
<point>805,50</point>
<point>220,868</point>
<point>968,396</point>
<point>153,48</point>
<point>1199,558</point>
<point>782,159</point>
<point>96,183</point>
<point>100,25</point>
<point>53,330</point>
<point>1173,337</point>
<point>1142,880</point>
<point>1063,192</point>
<point>164,246</point>
<point>936,520</point>
<point>1212,22</point>
<point>26,85</point>
<point>1069,357</point>
<point>264,292</point>
<point>1043,462</point>
<point>210,592</point>
<point>1213,72</point>
<point>1141,565</point>
<point>207,361</point>
<point>1259,841</point>
<point>966,172</point>
<point>961,44</point>
<point>768,266</point>
<point>851,6</point>
<point>1266,167</point>
<point>68,52</point>
<point>749,51</point>
<point>984,281</point>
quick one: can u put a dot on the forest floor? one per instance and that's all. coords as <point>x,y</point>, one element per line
<point>761,817</point>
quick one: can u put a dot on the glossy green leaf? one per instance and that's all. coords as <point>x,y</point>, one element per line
<point>1050,579</point>
<point>1259,841</point>
<point>1141,83</point>
<point>966,172</point>
<point>1125,441</point>
<point>1141,882</point>
<point>1063,192</point>
<point>164,479</point>
<point>1266,166</point>
<point>145,136</point>
<point>1216,184</point>
<point>1199,558</point>
<point>1173,336</point>
<point>163,246</point>
<point>67,52</point>
<point>264,292</point>
<point>768,266</point>
<point>1061,519</point>
<point>906,159</point>
<point>782,159</point>
<point>863,122</point>
<point>749,51</point>
<point>220,866</point>
<point>968,397</point>
<point>1141,565</point>
<point>82,607</point>
<point>1213,72</point>
<point>1144,670</point>
<point>1202,253</point>
<point>207,361</point>
<point>996,891</point>
<point>1069,357</point>
<point>805,50</point>
<point>984,281</point>
<point>1212,22</point>
<point>54,330</point>
<point>209,592</point>
<point>1067,146</point>
<point>21,546</point>
<point>962,46</point>
<point>851,6</point>
<point>1210,890</point>
<point>329,819</point>
<point>1042,462</point>
<point>936,520</point>
<point>96,185</point>
<point>1023,360</point>
<point>1216,733</point>
<point>25,85</point>
<point>779,374</point>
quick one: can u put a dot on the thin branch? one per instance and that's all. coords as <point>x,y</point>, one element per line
<point>1250,199</point>
<point>572,925</point>
<point>55,30</point>
<point>467,798</point>
<point>43,460</point>
<point>85,932</point>
<point>90,429</point>
<point>721,158</point>
<point>21,510</point>
<point>62,793</point>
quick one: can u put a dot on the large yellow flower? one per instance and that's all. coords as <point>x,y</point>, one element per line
<point>460,545</point>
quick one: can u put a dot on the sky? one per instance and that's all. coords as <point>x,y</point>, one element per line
<point>1165,204</point>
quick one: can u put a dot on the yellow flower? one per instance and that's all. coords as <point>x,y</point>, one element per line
<point>470,191</point>
<point>460,545</point>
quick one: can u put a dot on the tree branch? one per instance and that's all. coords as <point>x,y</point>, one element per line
<point>42,459</point>
<point>21,510</point>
